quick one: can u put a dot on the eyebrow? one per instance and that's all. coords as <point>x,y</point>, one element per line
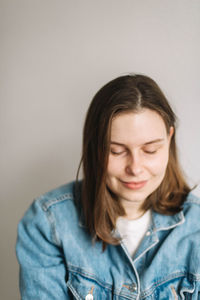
<point>147,143</point>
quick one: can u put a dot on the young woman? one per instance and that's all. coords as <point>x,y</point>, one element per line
<point>131,228</point>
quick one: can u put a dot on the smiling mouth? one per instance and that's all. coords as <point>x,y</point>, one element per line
<point>134,185</point>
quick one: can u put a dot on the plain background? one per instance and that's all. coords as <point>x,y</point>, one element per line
<point>55,55</point>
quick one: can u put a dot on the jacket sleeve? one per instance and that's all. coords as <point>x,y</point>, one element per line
<point>40,256</point>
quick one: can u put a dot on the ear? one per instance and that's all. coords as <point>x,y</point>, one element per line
<point>171,132</point>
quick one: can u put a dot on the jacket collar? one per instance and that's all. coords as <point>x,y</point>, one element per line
<point>159,221</point>
<point>164,222</point>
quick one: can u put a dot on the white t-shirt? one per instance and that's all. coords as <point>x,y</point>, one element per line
<point>133,231</point>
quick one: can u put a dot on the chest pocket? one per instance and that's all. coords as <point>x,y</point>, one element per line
<point>178,289</point>
<point>88,288</point>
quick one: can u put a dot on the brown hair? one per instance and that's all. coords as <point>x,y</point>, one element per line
<point>100,206</point>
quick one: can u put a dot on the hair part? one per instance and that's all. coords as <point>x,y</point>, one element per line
<point>101,208</point>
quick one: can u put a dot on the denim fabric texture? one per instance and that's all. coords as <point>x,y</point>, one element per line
<point>59,260</point>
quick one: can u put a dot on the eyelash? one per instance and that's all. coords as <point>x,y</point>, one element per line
<point>116,153</point>
<point>151,152</point>
<point>147,152</point>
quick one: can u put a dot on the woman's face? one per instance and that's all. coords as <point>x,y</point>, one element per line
<point>138,157</point>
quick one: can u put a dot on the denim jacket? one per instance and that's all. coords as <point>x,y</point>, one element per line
<point>59,260</point>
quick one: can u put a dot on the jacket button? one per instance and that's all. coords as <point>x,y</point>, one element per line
<point>133,288</point>
<point>89,297</point>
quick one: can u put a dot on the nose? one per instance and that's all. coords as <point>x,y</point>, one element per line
<point>134,165</point>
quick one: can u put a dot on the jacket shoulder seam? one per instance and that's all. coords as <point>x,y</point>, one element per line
<point>45,204</point>
<point>52,201</point>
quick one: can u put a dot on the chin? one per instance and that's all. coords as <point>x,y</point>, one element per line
<point>133,196</point>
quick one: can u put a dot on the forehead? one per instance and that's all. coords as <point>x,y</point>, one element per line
<point>138,127</point>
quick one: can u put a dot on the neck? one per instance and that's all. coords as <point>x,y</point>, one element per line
<point>133,210</point>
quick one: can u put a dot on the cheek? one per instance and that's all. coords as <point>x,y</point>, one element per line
<point>159,164</point>
<point>114,166</point>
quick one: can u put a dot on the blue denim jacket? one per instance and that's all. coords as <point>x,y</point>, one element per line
<point>58,259</point>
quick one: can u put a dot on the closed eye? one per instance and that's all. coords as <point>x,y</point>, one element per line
<point>150,152</point>
<point>117,153</point>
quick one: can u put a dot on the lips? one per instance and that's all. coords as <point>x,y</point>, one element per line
<point>134,185</point>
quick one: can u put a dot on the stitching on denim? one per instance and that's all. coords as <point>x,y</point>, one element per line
<point>76,270</point>
<point>172,226</point>
<point>54,233</point>
<point>86,275</point>
<point>134,268</point>
<point>151,289</point>
<point>179,219</point>
<point>51,221</point>
<point>186,290</point>
<point>50,202</point>
<point>74,292</point>
<point>147,249</point>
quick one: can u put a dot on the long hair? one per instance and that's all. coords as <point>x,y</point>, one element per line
<point>129,93</point>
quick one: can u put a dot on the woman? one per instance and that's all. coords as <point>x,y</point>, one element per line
<point>130,229</point>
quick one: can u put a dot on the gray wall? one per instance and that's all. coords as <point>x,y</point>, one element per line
<point>54,56</point>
